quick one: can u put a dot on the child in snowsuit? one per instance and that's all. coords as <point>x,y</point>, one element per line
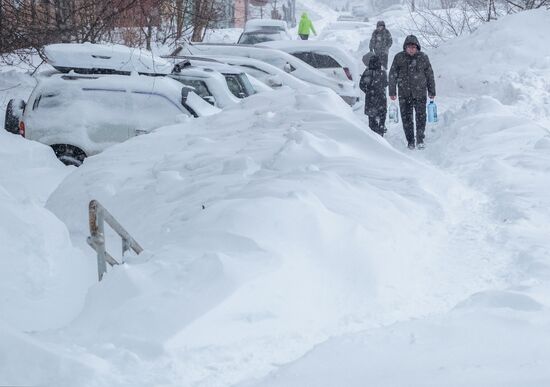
<point>373,83</point>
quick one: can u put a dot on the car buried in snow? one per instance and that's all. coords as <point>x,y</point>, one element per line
<point>280,59</point>
<point>101,95</point>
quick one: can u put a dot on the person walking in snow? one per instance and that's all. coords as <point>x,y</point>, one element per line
<point>373,83</point>
<point>305,27</point>
<point>380,43</point>
<point>411,71</point>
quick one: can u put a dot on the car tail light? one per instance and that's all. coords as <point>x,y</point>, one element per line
<point>22,128</point>
<point>348,73</point>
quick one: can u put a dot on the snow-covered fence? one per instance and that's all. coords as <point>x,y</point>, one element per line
<point>98,215</point>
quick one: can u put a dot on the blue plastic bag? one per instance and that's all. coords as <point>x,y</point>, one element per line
<point>432,111</point>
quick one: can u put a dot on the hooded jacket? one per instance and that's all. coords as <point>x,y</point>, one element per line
<point>380,41</point>
<point>413,74</point>
<point>305,26</point>
<point>373,83</point>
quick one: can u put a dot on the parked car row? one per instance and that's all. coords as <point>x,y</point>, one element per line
<point>99,95</point>
<point>335,71</point>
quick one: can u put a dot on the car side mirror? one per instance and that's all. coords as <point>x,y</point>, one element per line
<point>210,99</point>
<point>185,92</point>
<point>274,81</point>
<point>287,67</point>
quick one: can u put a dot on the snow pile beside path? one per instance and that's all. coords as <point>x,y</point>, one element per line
<point>502,339</point>
<point>507,157</point>
<point>494,337</point>
<point>508,59</point>
<point>45,280</point>
<point>268,228</point>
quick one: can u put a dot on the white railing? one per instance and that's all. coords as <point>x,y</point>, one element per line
<point>98,215</point>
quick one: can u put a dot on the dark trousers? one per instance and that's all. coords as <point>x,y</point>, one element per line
<point>383,55</point>
<point>376,123</point>
<point>304,36</point>
<point>406,106</point>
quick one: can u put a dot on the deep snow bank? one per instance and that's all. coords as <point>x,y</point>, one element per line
<point>268,228</point>
<point>508,59</point>
<point>42,283</point>
<point>497,336</point>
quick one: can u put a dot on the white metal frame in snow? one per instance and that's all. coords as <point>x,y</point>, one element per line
<point>97,216</point>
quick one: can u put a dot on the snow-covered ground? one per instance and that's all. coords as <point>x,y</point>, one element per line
<point>287,245</point>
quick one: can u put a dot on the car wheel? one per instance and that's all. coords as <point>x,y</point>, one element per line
<point>69,155</point>
<point>11,123</point>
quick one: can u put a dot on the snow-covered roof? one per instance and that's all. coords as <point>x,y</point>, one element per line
<point>331,48</point>
<point>115,57</point>
<point>133,83</point>
<point>258,24</point>
<point>277,58</point>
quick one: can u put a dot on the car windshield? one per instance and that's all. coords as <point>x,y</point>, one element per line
<point>258,37</point>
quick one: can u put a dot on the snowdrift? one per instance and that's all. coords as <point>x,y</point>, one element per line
<point>268,228</point>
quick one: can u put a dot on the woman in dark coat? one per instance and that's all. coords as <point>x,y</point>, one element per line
<point>373,83</point>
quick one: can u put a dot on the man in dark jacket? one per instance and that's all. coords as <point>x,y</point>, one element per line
<point>373,83</point>
<point>380,43</point>
<point>412,72</point>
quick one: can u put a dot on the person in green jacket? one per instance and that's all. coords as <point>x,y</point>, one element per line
<point>305,27</point>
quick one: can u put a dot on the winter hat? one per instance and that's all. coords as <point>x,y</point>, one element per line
<point>374,63</point>
<point>380,23</point>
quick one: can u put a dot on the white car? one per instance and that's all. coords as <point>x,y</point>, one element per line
<point>324,56</point>
<point>266,73</point>
<point>264,30</point>
<point>281,60</point>
<point>81,115</point>
<point>207,83</point>
<point>266,24</point>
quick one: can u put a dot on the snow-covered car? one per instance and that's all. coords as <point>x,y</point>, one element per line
<point>255,37</point>
<point>237,80</point>
<point>324,56</point>
<point>264,30</point>
<point>89,58</point>
<point>100,98</point>
<point>266,73</point>
<point>207,83</point>
<point>281,60</point>
<point>81,115</point>
<point>266,24</point>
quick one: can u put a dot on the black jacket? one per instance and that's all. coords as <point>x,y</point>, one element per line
<point>412,74</point>
<point>373,83</point>
<point>380,41</point>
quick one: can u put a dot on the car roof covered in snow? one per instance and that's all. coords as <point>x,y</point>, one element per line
<point>293,46</point>
<point>259,24</point>
<point>139,83</point>
<point>97,58</point>
<point>302,70</point>
<point>244,63</point>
